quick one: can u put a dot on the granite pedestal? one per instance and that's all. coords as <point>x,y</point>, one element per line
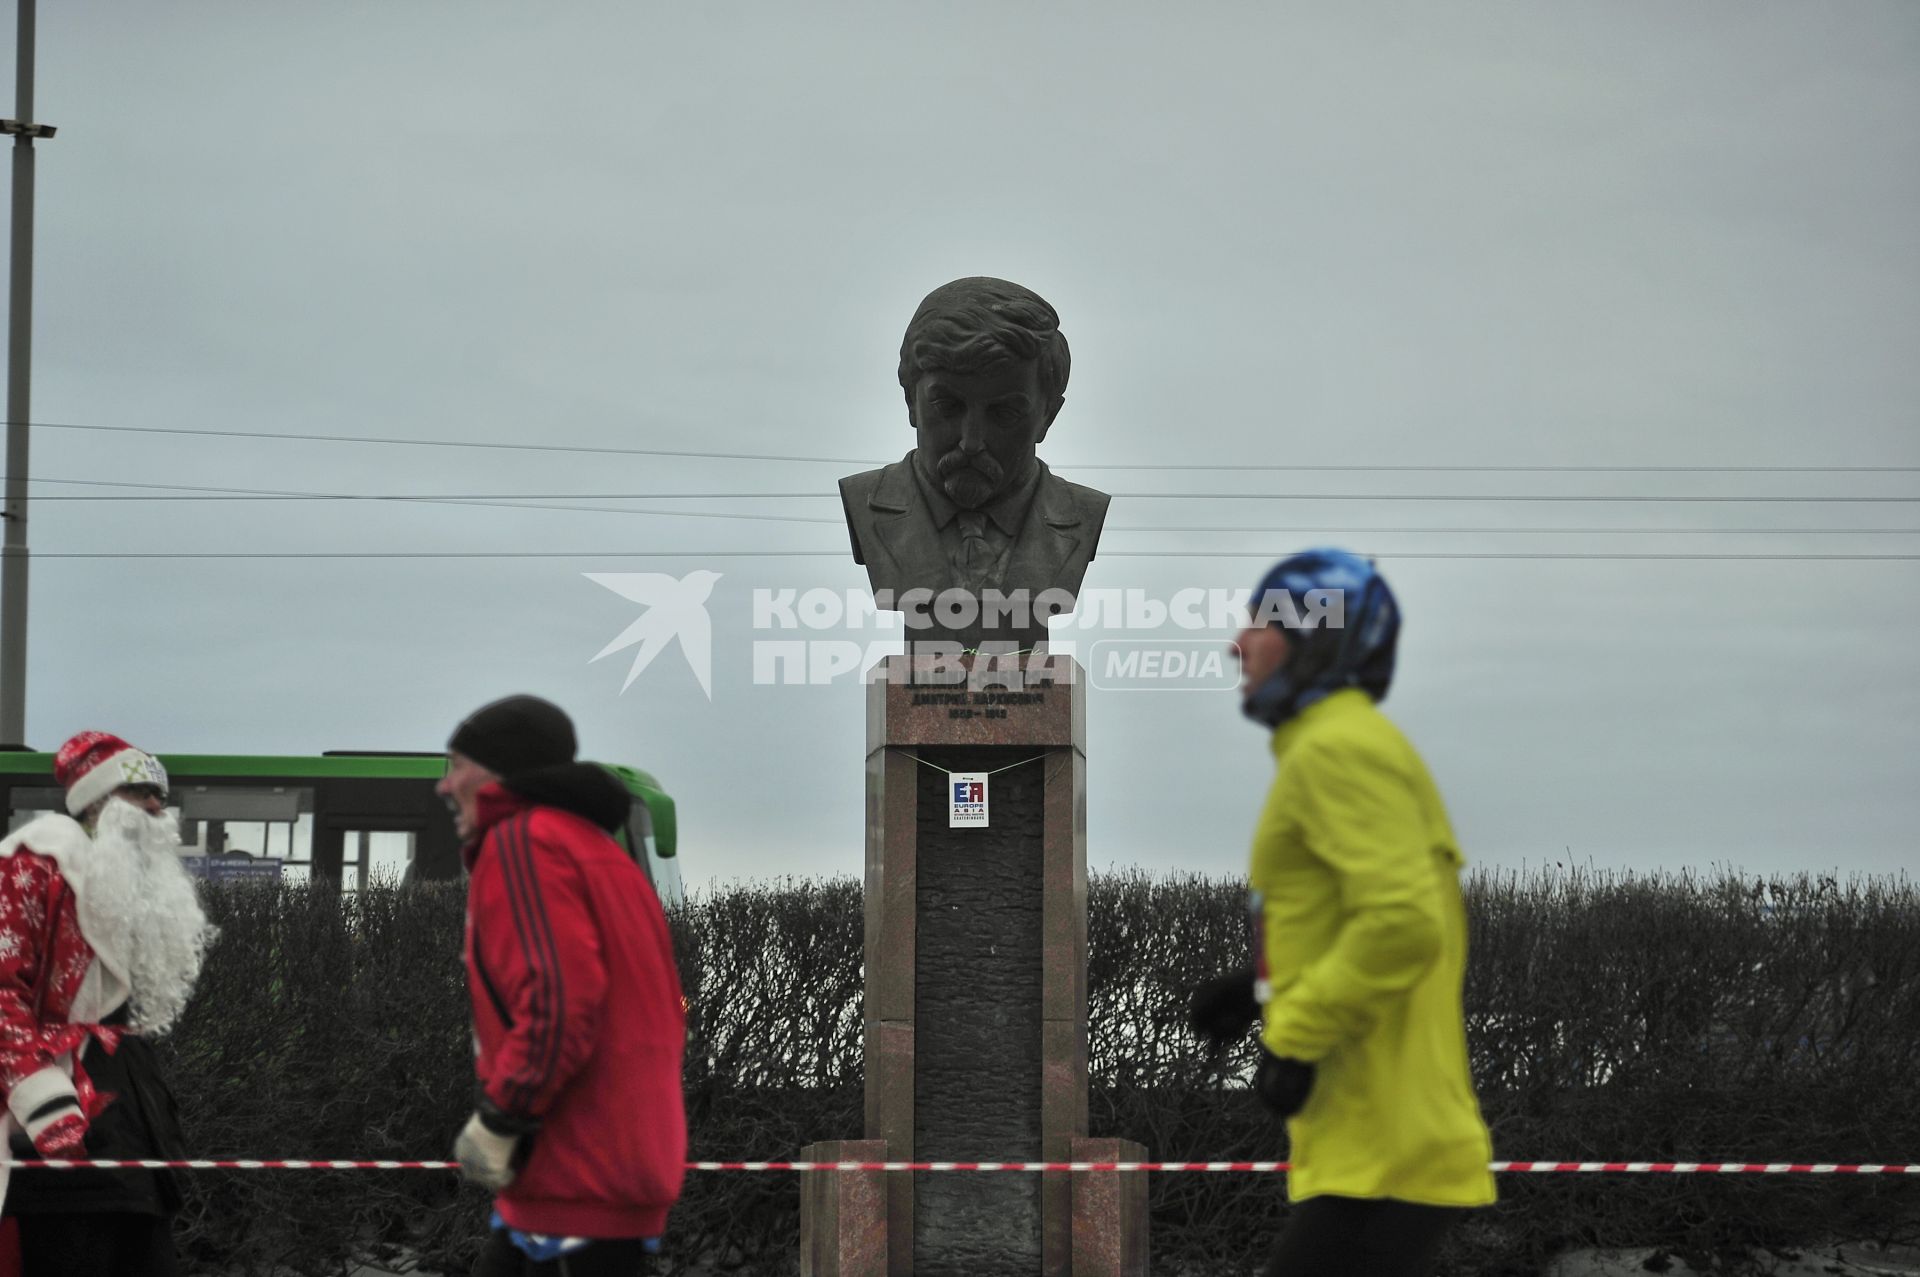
<point>976,993</point>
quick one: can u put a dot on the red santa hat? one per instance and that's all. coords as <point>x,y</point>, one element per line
<point>93,764</point>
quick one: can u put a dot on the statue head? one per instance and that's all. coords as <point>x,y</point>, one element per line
<point>984,367</point>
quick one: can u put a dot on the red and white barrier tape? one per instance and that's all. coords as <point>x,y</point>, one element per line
<point>1641,1168</point>
<point>1528,1168</point>
<point>235,1164</point>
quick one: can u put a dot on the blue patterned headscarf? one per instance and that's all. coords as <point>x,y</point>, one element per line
<point>1307,593</point>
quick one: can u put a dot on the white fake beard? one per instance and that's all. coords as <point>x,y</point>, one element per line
<point>138,900</point>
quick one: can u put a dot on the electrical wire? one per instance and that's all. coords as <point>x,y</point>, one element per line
<point>504,502</point>
<point>842,553</point>
<point>508,499</point>
<point>483,501</point>
<point>585,449</point>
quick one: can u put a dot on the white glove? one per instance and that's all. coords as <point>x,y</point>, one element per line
<point>485,1155</point>
<point>45,1107</point>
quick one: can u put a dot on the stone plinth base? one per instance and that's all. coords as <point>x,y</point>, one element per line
<point>976,958</point>
<point>1109,1211</point>
<point>843,1214</point>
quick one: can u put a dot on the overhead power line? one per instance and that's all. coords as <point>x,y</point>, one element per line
<point>1433,531</point>
<point>593,450</point>
<point>1111,527</point>
<point>510,499</point>
<point>190,492</point>
<point>585,449</point>
<point>788,554</point>
<point>1428,530</point>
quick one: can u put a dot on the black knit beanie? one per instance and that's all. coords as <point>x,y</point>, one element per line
<point>516,734</point>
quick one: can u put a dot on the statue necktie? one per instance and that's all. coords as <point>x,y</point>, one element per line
<point>973,560</point>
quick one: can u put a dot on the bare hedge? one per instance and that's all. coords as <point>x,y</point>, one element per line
<point>1611,1017</point>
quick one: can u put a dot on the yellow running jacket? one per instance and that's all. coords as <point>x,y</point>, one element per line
<point>1361,947</point>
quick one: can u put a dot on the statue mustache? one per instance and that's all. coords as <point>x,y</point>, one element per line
<point>983,463</point>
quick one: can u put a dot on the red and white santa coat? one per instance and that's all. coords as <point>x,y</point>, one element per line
<point>83,984</point>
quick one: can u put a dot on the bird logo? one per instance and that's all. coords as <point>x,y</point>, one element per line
<point>676,608</point>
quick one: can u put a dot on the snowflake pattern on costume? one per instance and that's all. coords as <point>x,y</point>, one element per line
<point>23,893</point>
<point>73,969</point>
<point>29,1043</point>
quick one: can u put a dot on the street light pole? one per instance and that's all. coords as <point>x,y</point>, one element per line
<point>14,560</point>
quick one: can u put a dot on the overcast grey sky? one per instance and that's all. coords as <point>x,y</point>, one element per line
<point>1601,234</point>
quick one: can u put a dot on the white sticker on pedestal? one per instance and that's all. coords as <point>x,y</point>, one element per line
<point>966,799</point>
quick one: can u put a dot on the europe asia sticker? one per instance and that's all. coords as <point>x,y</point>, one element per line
<point>966,800</point>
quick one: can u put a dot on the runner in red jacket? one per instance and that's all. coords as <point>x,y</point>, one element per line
<point>578,1020</point>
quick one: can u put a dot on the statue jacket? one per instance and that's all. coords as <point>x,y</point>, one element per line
<point>895,536</point>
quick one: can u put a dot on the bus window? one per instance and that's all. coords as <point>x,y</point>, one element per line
<point>347,817</point>
<point>31,804</point>
<point>231,832</point>
<point>378,857</point>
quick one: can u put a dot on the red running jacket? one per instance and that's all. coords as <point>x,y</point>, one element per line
<point>577,1013</point>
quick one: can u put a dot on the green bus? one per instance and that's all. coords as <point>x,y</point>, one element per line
<point>344,817</point>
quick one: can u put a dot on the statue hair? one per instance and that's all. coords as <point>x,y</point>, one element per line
<point>978,322</point>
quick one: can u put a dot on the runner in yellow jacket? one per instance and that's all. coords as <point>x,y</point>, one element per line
<point>1360,939</point>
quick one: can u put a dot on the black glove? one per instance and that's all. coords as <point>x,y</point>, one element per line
<point>1282,1083</point>
<point>1223,1007</point>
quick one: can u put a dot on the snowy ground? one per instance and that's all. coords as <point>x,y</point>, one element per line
<point>1832,1260</point>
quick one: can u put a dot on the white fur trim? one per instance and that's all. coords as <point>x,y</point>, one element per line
<point>36,1090</point>
<point>101,994</point>
<point>62,839</point>
<point>128,767</point>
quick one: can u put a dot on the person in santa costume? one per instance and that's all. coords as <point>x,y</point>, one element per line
<point>101,939</point>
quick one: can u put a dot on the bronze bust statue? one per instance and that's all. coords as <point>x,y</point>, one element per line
<point>970,533</point>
